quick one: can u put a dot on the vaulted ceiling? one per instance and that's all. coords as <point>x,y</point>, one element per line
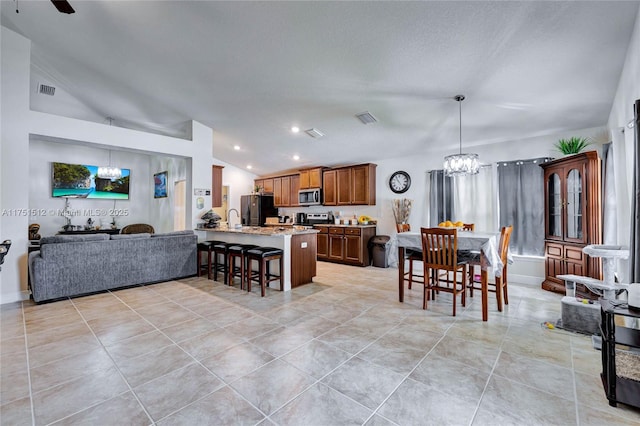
<point>251,70</point>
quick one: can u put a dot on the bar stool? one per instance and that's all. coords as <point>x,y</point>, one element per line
<point>263,255</point>
<point>237,251</point>
<point>221,248</point>
<point>205,247</point>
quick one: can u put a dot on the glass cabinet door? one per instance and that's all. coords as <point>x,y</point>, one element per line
<point>555,206</point>
<point>574,205</point>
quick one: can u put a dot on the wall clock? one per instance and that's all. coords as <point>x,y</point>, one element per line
<point>399,182</point>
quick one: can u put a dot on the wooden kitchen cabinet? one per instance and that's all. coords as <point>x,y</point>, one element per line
<point>311,178</point>
<point>329,188</point>
<point>267,185</point>
<point>283,188</point>
<point>343,186</point>
<point>345,244</point>
<point>352,246</point>
<point>293,193</point>
<point>363,184</point>
<point>354,185</point>
<point>323,242</point>
<point>572,219</point>
<point>281,191</point>
<point>216,186</point>
<point>336,244</point>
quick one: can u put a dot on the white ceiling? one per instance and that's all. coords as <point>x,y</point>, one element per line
<point>251,70</point>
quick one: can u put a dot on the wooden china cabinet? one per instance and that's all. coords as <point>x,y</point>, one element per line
<point>572,219</point>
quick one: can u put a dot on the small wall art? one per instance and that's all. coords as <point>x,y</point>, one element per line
<point>160,185</point>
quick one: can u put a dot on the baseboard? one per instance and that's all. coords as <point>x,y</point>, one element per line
<point>14,297</point>
<point>526,279</point>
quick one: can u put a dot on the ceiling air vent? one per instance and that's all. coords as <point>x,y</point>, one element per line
<point>314,133</point>
<point>46,90</point>
<point>366,117</point>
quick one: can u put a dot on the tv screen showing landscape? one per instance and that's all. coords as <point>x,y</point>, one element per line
<point>81,181</point>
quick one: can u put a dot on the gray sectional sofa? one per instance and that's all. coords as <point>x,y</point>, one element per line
<point>72,265</point>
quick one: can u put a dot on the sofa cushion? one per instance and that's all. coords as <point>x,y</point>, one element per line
<point>130,236</point>
<point>173,233</point>
<point>73,238</point>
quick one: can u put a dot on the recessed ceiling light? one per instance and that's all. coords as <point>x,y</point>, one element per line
<point>249,166</point>
<point>295,129</point>
<point>296,157</point>
<point>236,147</point>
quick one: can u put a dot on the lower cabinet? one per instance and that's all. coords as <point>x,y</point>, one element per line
<point>565,259</point>
<point>323,243</point>
<point>345,244</point>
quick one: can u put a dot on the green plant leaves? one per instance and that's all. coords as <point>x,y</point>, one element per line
<point>572,145</point>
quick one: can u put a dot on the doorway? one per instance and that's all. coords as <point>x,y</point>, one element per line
<point>179,205</point>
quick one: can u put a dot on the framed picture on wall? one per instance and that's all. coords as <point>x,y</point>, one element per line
<point>160,185</point>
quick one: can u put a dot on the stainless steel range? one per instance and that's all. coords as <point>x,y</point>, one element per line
<point>317,218</point>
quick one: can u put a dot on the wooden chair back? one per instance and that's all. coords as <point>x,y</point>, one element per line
<point>505,237</point>
<point>469,227</point>
<point>137,228</point>
<point>440,248</point>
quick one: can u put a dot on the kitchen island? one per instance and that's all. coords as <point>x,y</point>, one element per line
<point>299,247</point>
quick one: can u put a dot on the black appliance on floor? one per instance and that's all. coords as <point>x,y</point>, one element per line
<point>255,208</point>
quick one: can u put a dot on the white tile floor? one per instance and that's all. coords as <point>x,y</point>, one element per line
<point>340,351</point>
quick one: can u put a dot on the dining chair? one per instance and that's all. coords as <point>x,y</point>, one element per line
<point>440,253</point>
<point>137,228</point>
<point>500,287</point>
<point>469,227</point>
<point>412,254</point>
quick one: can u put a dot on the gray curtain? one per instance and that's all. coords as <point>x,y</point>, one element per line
<point>521,201</point>
<point>440,197</point>
<point>634,247</point>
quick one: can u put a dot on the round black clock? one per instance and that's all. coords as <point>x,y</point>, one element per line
<point>399,182</point>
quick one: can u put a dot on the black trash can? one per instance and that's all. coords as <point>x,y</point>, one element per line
<point>379,250</point>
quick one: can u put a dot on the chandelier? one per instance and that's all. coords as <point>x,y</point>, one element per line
<point>109,172</point>
<point>461,164</point>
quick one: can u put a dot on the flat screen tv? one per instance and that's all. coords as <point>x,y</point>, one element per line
<point>80,181</point>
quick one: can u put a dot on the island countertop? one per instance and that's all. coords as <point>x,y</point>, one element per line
<point>299,248</point>
<point>258,230</point>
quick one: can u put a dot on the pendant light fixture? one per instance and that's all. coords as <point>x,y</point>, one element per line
<point>461,164</point>
<point>109,172</point>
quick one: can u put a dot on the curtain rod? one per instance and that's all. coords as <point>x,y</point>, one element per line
<point>520,162</point>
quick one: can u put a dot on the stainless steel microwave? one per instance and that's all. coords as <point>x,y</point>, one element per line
<point>310,197</point>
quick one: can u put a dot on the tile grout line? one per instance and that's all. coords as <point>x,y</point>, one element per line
<point>115,366</point>
<point>225,384</point>
<point>26,349</point>
<point>493,368</point>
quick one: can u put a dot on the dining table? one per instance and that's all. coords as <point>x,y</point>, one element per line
<point>484,242</point>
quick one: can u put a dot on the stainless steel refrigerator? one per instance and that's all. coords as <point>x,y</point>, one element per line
<point>255,208</point>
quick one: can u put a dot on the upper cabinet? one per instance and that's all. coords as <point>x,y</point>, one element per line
<point>572,217</point>
<point>293,193</point>
<point>354,185</point>
<point>311,178</point>
<point>216,186</point>
<point>329,188</point>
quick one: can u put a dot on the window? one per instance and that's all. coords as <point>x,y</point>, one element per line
<point>521,204</point>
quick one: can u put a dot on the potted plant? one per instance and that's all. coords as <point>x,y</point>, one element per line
<point>572,145</point>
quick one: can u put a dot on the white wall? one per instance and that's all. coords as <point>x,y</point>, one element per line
<point>135,210</point>
<point>624,144</point>
<point>161,209</point>
<point>20,124</point>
